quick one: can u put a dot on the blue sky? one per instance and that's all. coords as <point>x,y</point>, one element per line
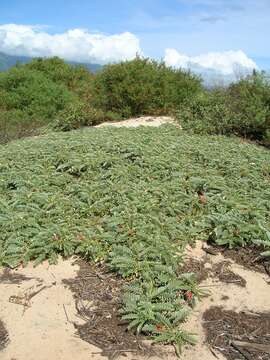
<point>191,27</point>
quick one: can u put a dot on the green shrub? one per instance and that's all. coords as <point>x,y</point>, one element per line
<point>250,100</point>
<point>243,110</point>
<point>50,91</point>
<point>76,115</point>
<point>266,138</point>
<point>142,86</point>
<point>208,113</point>
<point>35,94</point>
<point>31,92</point>
<point>112,116</point>
<point>16,124</point>
<point>77,78</point>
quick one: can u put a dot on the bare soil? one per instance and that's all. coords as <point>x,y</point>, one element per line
<point>10,277</point>
<point>235,290</point>
<point>38,313</point>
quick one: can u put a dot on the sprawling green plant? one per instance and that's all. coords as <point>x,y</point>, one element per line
<point>134,198</point>
<point>158,311</point>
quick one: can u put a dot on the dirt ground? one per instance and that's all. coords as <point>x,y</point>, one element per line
<point>3,336</point>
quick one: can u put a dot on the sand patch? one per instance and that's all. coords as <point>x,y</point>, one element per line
<point>39,322</point>
<point>153,121</point>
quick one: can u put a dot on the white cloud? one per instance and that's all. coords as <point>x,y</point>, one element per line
<point>73,45</point>
<point>225,63</point>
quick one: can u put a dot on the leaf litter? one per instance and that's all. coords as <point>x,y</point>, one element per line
<point>243,335</point>
<point>4,338</point>
<point>97,294</point>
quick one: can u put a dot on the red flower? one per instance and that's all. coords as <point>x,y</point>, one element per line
<point>189,295</point>
<point>159,327</point>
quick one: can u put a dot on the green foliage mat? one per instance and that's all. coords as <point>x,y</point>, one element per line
<point>134,198</point>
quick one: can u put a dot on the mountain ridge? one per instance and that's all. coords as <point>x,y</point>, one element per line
<point>8,61</point>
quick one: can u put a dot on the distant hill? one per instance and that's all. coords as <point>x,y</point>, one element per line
<point>7,61</point>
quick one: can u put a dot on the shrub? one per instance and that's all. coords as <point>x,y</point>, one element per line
<point>77,78</point>
<point>33,95</point>
<point>207,113</point>
<point>266,138</point>
<point>31,92</point>
<point>112,116</point>
<point>76,115</point>
<point>243,110</point>
<point>142,86</point>
<point>16,124</point>
<point>250,100</point>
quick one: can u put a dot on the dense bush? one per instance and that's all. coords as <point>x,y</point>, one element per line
<point>76,115</point>
<point>33,93</point>
<point>250,100</point>
<point>38,93</point>
<point>243,109</point>
<point>142,86</point>
<point>77,79</point>
<point>50,91</point>
<point>15,124</point>
<point>207,113</point>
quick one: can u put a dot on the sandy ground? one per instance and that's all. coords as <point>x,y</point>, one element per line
<point>154,121</point>
<point>40,323</point>
<point>254,297</point>
<point>41,328</point>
